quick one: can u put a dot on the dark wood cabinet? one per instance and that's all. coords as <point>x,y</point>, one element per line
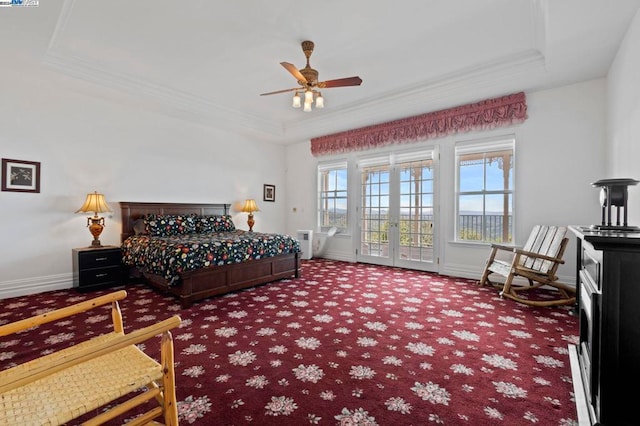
<point>605,363</point>
<point>95,268</point>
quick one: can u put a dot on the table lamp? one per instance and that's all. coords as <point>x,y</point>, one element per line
<point>95,203</point>
<point>250,207</point>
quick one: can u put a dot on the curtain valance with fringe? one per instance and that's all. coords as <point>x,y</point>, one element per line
<point>487,114</point>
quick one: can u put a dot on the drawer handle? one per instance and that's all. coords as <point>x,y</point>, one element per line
<point>101,258</point>
<point>100,275</point>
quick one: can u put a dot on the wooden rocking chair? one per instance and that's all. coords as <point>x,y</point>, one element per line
<point>61,386</point>
<point>537,261</point>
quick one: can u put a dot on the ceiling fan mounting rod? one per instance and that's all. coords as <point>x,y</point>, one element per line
<point>307,48</point>
<point>309,73</point>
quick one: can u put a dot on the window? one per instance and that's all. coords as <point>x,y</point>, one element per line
<point>484,190</point>
<point>332,191</point>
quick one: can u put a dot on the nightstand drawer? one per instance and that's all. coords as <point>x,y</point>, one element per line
<point>101,275</point>
<point>99,258</point>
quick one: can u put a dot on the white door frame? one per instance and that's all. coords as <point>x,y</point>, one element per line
<point>392,255</point>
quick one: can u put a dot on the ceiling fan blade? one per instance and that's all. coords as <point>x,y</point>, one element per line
<point>280,91</point>
<point>294,71</point>
<point>340,82</point>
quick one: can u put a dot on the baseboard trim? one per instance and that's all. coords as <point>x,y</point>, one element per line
<point>461,271</point>
<point>27,286</point>
<point>475,274</point>
<point>338,255</point>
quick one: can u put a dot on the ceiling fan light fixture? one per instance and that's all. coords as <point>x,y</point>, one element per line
<point>319,101</point>
<point>307,107</point>
<point>308,96</point>
<point>296,100</point>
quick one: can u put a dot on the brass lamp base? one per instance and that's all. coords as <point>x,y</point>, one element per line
<point>95,225</point>
<point>250,222</point>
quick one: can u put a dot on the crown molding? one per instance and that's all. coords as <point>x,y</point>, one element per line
<point>197,108</point>
<point>492,78</point>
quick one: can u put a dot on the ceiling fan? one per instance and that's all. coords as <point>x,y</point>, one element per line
<point>308,80</point>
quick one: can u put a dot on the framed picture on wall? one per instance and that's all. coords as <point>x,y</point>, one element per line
<point>269,193</point>
<point>20,176</point>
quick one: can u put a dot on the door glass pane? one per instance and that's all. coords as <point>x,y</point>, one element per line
<point>374,220</point>
<point>416,211</point>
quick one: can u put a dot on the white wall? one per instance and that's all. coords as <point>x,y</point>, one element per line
<point>623,116</point>
<point>87,139</point>
<point>559,152</point>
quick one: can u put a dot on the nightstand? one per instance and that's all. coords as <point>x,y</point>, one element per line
<point>97,267</point>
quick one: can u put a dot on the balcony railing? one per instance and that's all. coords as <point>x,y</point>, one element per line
<point>470,227</point>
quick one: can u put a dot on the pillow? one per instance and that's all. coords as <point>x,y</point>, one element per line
<point>218,223</point>
<point>139,227</point>
<point>169,224</point>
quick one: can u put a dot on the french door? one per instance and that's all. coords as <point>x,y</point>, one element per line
<point>397,211</point>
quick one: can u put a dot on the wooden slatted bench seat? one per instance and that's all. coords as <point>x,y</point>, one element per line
<point>64,385</point>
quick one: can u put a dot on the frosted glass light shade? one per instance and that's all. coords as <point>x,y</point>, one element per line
<point>296,100</point>
<point>308,97</point>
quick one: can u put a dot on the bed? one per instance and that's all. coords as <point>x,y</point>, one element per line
<point>214,275</point>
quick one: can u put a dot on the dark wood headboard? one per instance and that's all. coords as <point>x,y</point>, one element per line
<point>132,211</point>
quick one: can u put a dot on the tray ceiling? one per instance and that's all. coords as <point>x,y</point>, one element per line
<point>209,61</point>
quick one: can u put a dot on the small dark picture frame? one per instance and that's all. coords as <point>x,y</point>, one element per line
<point>269,193</point>
<point>20,176</point>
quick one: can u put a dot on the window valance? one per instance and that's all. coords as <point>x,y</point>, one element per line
<point>487,114</point>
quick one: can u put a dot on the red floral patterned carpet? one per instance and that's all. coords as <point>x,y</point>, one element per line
<point>345,344</point>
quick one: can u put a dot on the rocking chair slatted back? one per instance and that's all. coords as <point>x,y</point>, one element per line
<point>545,240</point>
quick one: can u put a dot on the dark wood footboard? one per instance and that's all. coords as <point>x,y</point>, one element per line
<point>217,280</point>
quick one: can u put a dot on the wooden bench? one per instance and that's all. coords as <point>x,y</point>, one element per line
<point>64,385</point>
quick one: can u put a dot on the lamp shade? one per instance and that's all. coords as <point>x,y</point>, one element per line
<point>308,96</point>
<point>94,203</point>
<point>307,107</point>
<point>250,206</point>
<point>296,100</point>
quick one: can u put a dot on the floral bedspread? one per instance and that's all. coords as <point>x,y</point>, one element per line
<point>169,256</point>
